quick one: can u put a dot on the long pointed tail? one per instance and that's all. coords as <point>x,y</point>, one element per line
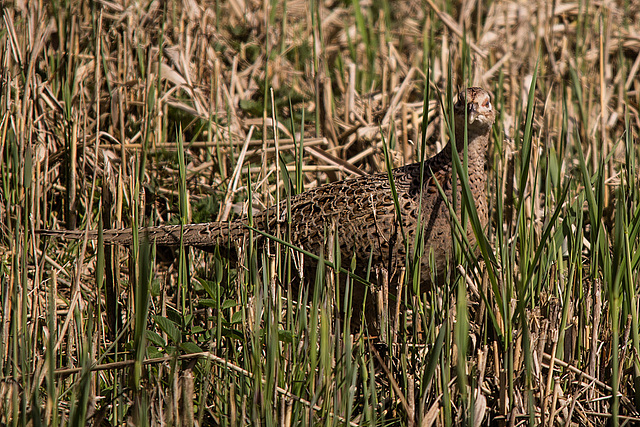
<point>199,235</point>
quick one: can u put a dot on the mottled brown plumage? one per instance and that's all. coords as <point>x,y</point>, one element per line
<point>362,210</point>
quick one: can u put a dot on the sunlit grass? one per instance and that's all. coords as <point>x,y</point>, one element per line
<point>95,134</point>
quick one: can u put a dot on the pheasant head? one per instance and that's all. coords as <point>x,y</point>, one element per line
<point>480,114</point>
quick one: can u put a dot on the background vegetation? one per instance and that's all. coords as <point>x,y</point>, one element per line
<point>121,113</point>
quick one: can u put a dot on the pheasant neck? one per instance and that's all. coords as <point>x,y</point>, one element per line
<point>477,144</point>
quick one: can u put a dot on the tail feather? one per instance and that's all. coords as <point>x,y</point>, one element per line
<point>199,235</point>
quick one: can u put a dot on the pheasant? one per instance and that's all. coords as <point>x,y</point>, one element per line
<point>362,211</point>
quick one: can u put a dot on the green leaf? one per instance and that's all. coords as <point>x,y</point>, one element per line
<point>189,347</point>
<point>153,352</point>
<point>210,287</point>
<point>285,336</point>
<point>208,302</point>
<point>156,339</point>
<point>169,328</point>
<point>229,303</point>
<point>237,317</point>
<point>197,330</point>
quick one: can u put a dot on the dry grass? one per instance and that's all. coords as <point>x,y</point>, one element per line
<point>98,97</point>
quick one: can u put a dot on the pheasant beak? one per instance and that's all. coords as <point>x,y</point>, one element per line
<point>472,112</point>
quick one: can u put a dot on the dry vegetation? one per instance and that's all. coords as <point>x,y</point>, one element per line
<point>115,113</point>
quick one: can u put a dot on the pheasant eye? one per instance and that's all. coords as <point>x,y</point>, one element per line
<point>487,104</point>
